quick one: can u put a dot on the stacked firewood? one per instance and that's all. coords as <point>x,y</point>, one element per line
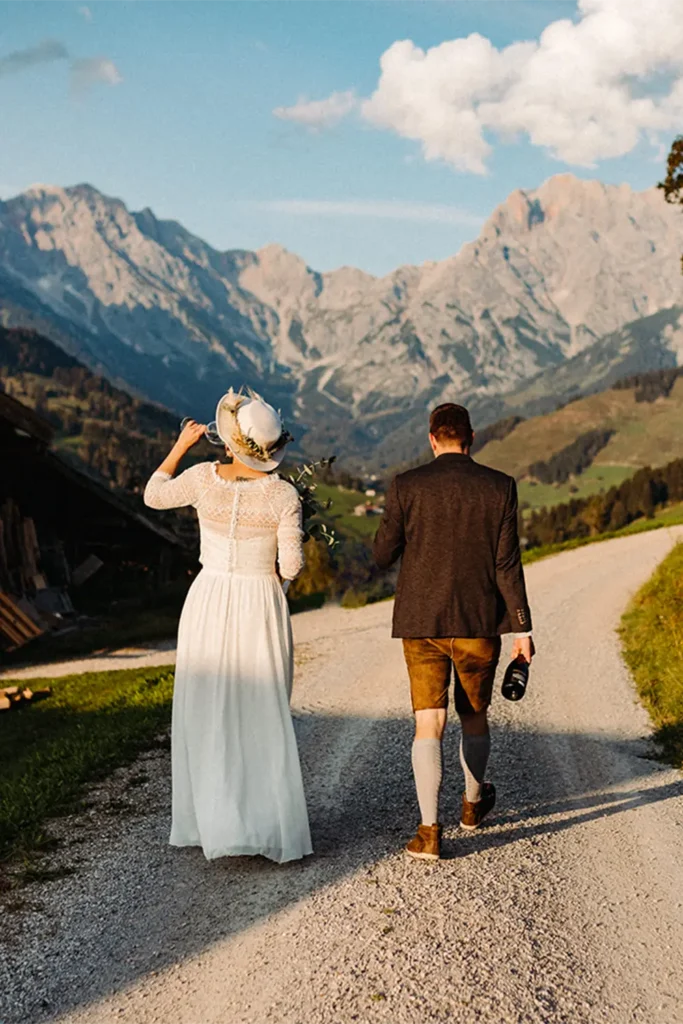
<point>19,549</point>
<point>15,696</point>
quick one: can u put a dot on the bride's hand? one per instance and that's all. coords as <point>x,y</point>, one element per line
<point>190,434</point>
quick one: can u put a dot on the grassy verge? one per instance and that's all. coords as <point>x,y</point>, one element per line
<point>652,638</point>
<point>667,517</point>
<point>49,751</point>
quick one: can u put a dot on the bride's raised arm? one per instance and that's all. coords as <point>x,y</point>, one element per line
<point>162,491</point>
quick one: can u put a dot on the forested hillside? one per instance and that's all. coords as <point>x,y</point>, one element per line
<point>572,460</point>
<point>113,432</point>
<point>590,444</point>
<point>647,492</point>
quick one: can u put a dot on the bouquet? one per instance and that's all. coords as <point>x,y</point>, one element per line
<point>314,525</point>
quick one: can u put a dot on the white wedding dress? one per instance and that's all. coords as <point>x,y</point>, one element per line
<point>237,786</point>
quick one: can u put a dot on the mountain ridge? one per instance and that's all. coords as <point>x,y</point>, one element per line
<point>353,359</point>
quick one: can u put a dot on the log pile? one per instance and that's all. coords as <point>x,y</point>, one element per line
<point>14,696</point>
<point>16,626</point>
<point>19,576</point>
<point>29,604</point>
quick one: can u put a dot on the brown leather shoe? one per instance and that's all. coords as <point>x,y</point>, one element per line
<point>427,843</point>
<point>474,814</point>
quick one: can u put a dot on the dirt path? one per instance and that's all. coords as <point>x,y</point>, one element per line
<point>139,656</point>
<point>567,908</point>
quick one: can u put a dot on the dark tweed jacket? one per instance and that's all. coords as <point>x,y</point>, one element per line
<point>453,523</point>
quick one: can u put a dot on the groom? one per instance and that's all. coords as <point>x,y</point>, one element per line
<point>453,523</point>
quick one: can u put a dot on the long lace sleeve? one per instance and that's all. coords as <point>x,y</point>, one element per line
<point>164,491</point>
<point>290,548</point>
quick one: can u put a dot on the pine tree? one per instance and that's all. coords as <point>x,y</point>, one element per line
<point>672,186</point>
<point>618,516</point>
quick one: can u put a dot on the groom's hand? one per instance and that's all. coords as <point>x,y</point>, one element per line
<point>523,647</point>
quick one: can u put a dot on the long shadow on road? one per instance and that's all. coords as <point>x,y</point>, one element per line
<point>145,906</point>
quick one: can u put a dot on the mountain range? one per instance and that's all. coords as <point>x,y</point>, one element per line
<point>567,288</point>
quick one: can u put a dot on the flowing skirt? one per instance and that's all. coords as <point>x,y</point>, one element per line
<point>237,787</point>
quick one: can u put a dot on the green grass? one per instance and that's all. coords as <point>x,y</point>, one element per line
<point>594,480</point>
<point>652,639</point>
<point>52,749</point>
<point>672,516</point>
<point>341,514</point>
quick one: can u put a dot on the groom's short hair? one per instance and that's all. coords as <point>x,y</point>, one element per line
<point>451,423</point>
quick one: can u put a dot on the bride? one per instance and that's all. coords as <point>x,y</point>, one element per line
<point>237,785</point>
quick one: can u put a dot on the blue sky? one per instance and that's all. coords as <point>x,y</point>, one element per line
<point>171,106</point>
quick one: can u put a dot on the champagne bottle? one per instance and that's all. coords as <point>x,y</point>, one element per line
<point>515,679</point>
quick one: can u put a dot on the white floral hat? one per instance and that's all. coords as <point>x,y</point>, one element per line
<point>252,430</point>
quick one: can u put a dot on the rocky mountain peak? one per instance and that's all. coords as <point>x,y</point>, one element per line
<point>281,278</point>
<point>38,190</point>
<point>526,209</point>
<point>275,258</point>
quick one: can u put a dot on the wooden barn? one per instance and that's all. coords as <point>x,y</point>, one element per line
<point>66,539</point>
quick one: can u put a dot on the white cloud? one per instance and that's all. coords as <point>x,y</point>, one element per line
<point>377,209</point>
<point>85,13</point>
<point>88,71</point>
<point>586,90</point>
<point>318,114</point>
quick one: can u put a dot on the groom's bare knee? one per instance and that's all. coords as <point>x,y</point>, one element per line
<point>430,723</point>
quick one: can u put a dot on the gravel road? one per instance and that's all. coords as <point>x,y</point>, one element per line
<point>567,908</point>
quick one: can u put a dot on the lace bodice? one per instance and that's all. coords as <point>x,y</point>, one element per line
<point>245,525</point>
